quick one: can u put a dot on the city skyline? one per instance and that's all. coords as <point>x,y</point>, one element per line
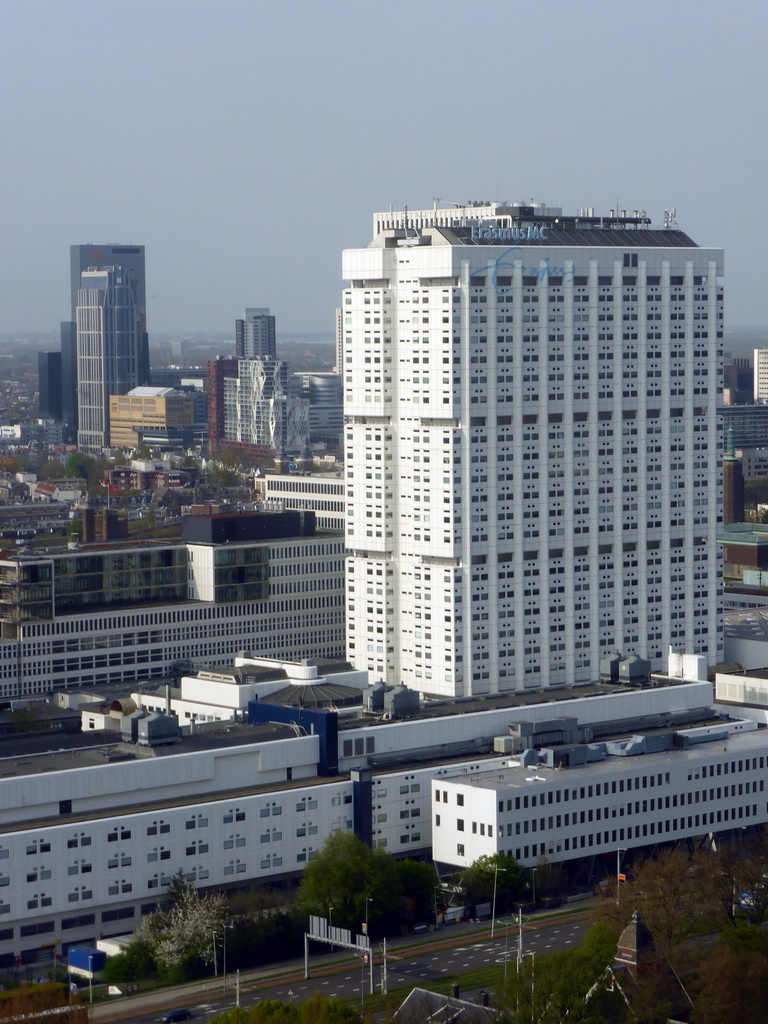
<point>651,107</point>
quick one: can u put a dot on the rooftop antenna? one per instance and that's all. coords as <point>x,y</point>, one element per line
<point>670,218</point>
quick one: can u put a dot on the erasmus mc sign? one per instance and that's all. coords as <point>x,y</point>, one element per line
<point>531,233</point>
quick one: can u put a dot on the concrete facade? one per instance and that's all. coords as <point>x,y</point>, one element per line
<point>531,446</point>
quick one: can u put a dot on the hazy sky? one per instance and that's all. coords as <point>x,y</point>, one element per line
<point>246,143</point>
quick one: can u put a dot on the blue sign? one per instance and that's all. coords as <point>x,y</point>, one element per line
<point>505,264</point>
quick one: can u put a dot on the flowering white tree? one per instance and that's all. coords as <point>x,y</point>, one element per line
<point>188,930</point>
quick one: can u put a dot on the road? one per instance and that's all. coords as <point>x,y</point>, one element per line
<point>444,953</point>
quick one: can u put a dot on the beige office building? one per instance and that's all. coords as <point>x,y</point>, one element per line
<point>149,414</point>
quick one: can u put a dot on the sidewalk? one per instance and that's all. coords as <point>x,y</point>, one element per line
<point>289,971</point>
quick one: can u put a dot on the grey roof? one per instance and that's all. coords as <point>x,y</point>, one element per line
<point>635,937</point>
<point>315,695</point>
<point>421,1006</point>
<point>746,623</point>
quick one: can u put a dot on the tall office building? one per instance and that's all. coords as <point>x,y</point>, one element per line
<point>326,410</point>
<point>760,375</point>
<point>533,479</point>
<point>255,335</point>
<point>87,257</point>
<point>49,384</point>
<point>253,406</point>
<point>338,323</point>
<point>109,344</point>
<point>69,378</point>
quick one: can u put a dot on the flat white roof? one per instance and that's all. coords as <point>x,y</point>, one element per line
<point>518,777</point>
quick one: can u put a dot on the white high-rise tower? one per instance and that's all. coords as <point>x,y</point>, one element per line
<point>532,464</point>
<point>760,375</point>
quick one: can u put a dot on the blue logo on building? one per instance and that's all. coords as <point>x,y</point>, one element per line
<point>505,263</point>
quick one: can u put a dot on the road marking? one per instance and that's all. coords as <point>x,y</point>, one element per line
<point>567,942</point>
<point>326,983</point>
<point>444,970</point>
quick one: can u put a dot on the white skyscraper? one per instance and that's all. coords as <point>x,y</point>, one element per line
<point>760,374</point>
<point>533,476</point>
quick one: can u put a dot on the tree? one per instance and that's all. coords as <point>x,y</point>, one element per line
<point>79,464</point>
<point>134,962</point>
<point>264,939</point>
<point>178,941</point>
<point>32,1002</point>
<point>500,870</point>
<point>565,986</point>
<point>733,979</point>
<point>319,1010</point>
<point>178,887</point>
<point>87,468</point>
<point>675,898</point>
<point>343,874</point>
<point>50,469</point>
<point>187,931</point>
<point>739,875</point>
<point>222,475</point>
<point>315,1010</point>
<point>420,887</point>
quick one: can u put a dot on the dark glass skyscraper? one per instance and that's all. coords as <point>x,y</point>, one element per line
<point>109,346</point>
<point>82,258</point>
<point>49,386</point>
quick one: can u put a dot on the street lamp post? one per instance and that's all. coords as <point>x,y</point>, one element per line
<point>496,871</point>
<point>369,899</point>
<point>225,929</point>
